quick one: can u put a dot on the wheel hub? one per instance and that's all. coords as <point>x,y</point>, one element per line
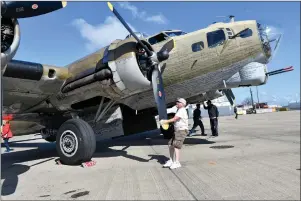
<point>68,143</point>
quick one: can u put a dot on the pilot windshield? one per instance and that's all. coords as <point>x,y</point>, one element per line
<point>175,33</point>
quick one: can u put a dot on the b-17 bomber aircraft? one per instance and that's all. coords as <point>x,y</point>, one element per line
<point>142,75</point>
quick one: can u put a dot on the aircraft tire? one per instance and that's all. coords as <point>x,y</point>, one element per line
<point>75,142</point>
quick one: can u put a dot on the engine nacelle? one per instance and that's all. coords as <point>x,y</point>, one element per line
<point>126,67</point>
<point>253,74</point>
<point>10,40</point>
<point>210,95</point>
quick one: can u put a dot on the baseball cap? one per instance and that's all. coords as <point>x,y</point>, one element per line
<point>182,100</point>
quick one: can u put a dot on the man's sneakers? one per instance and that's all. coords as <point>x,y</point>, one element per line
<point>172,165</point>
<point>168,163</point>
<point>175,165</point>
<point>190,133</point>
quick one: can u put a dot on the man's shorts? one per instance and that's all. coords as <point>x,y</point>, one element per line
<point>178,139</point>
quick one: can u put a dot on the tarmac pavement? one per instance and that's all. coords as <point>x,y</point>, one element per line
<point>264,163</point>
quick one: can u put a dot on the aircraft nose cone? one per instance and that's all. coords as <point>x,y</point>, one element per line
<point>274,35</point>
<point>271,36</point>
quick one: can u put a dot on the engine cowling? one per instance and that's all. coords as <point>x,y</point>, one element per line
<point>129,72</point>
<point>210,95</point>
<point>10,40</point>
<point>253,74</point>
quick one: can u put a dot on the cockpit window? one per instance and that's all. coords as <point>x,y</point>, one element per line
<point>197,46</point>
<point>215,38</point>
<point>138,34</point>
<point>175,33</point>
<point>157,39</point>
<point>246,33</point>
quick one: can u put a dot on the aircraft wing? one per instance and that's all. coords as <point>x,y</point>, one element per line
<point>27,84</point>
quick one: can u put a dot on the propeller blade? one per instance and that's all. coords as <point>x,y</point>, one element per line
<point>156,77</point>
<point>111,7</point>
<point>163,54</point>
<point>159,94</point>
<point>23,9</point>
<point>168,46</point>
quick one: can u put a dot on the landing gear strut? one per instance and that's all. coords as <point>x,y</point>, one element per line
<point>75,142</point>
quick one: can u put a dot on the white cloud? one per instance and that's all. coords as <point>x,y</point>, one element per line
<point>103,34</point>
<point>159,19</point>
<point>133,9</point>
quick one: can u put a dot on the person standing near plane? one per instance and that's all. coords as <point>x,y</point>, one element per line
<point>181,130</point>
<point>6,134</point>
<point>235,111</point>
<point>213,115</point>
<point>197,121</point>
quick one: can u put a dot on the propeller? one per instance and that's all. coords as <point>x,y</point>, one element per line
<point>155,59</point>
<point>23,9</point>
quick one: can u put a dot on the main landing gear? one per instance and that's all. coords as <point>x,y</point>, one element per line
<point>75,142</point>
<point>75,139</point>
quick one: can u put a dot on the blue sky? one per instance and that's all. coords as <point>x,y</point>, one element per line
<point>68,34</point>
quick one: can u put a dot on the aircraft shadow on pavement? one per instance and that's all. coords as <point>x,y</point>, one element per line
<point>11,178</point>
<point>10,170</point>
<point>47,151</point>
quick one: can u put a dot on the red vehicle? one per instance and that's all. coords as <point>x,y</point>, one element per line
<point>261,105</point>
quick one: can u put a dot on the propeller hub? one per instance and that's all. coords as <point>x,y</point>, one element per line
<point>163,55</point>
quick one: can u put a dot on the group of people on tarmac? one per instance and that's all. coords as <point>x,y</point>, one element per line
<point>180,121</point>
<point>213,116</point>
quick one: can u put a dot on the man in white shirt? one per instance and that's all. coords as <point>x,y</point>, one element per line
<point>181,130</point>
